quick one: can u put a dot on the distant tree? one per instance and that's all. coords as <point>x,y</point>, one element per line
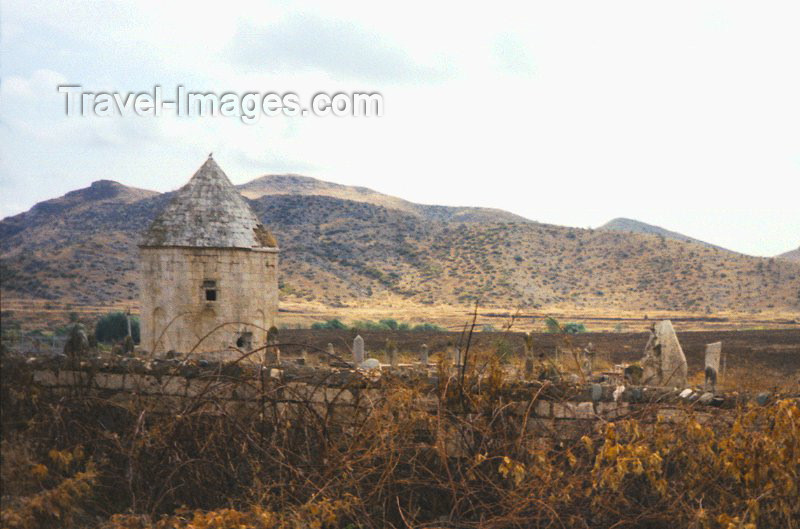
<point>113,327</point>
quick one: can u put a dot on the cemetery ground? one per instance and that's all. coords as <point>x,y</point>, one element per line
<point>459,453</point>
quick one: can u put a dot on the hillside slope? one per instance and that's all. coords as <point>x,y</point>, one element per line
<point>792,255</point>
<point>635,226</point>
<point>81,248</point>
<point>303,185</point>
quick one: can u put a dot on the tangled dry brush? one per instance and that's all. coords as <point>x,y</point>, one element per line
<point>460,457</point>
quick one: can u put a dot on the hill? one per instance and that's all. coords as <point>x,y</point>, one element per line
<point>792,255</point>
<point>290,184</point>
<point>635,226</point>
<point>81,248</point>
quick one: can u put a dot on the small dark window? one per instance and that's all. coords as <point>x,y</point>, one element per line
<point>211,290</point>
<point>245,341</point>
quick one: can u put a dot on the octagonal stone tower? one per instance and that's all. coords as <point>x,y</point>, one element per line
<point>209,282</point>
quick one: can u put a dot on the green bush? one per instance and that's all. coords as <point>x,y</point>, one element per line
<point>428,327</point>
<point>368,325</point>
<point>389,324</point>
<point>329,325</point>
<point>554,327</point>
<point>113,327</point>
<point>574,328</point>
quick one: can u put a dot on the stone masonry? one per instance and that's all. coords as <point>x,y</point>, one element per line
<point>209,282</point>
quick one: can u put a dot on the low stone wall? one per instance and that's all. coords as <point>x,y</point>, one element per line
<point>546,408</point>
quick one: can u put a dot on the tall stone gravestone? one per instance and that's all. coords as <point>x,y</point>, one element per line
<point>358,350</point>
<point>713,354</point>
<point>529,364</point>
<point>664,363</point>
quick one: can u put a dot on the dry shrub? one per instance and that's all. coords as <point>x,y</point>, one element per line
<point>467,456</point>
<point>48,493</point>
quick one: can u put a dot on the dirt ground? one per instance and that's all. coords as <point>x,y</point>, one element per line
<point>777,350</point>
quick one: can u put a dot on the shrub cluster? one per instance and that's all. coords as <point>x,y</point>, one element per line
<point>113,327</point>
<point>382,325</point>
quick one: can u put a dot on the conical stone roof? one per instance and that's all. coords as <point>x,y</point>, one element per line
<point>208,212</point>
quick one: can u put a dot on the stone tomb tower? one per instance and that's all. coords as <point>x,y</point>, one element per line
<point>208,272</point>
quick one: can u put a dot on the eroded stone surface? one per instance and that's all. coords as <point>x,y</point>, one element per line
<point>664,363</point>
<point>713,354</point>
<point>209,282</point>
<point>358,350</point>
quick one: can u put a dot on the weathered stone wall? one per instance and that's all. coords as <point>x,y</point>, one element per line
<point>544,409</point>
<point>175,314</point>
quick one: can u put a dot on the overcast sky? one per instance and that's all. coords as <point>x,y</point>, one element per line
<point>684,114</point>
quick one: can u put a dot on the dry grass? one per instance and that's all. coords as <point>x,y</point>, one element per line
<point>38,314</point>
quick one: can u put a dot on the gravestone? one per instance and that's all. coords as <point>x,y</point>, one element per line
<point>587,359</point>
<point>329,355</point>
<point>77,345</point>
<point>528,366</point>
<point>370,363</point>
<point>455,355</point>
<point>529,360</point>
<point>272,353</point>
<point>128,345</point>
<point>423,354</point>
<point>664,363</point>
<point>713,354</point>
<point>358,350</point>
<point>309,360</point>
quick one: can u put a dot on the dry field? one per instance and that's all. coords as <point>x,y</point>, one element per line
<point>33,314</point>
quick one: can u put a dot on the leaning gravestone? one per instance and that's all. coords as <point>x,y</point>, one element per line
<point>713,354</point>
<point>358,350</point>
<point>664,363</point>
